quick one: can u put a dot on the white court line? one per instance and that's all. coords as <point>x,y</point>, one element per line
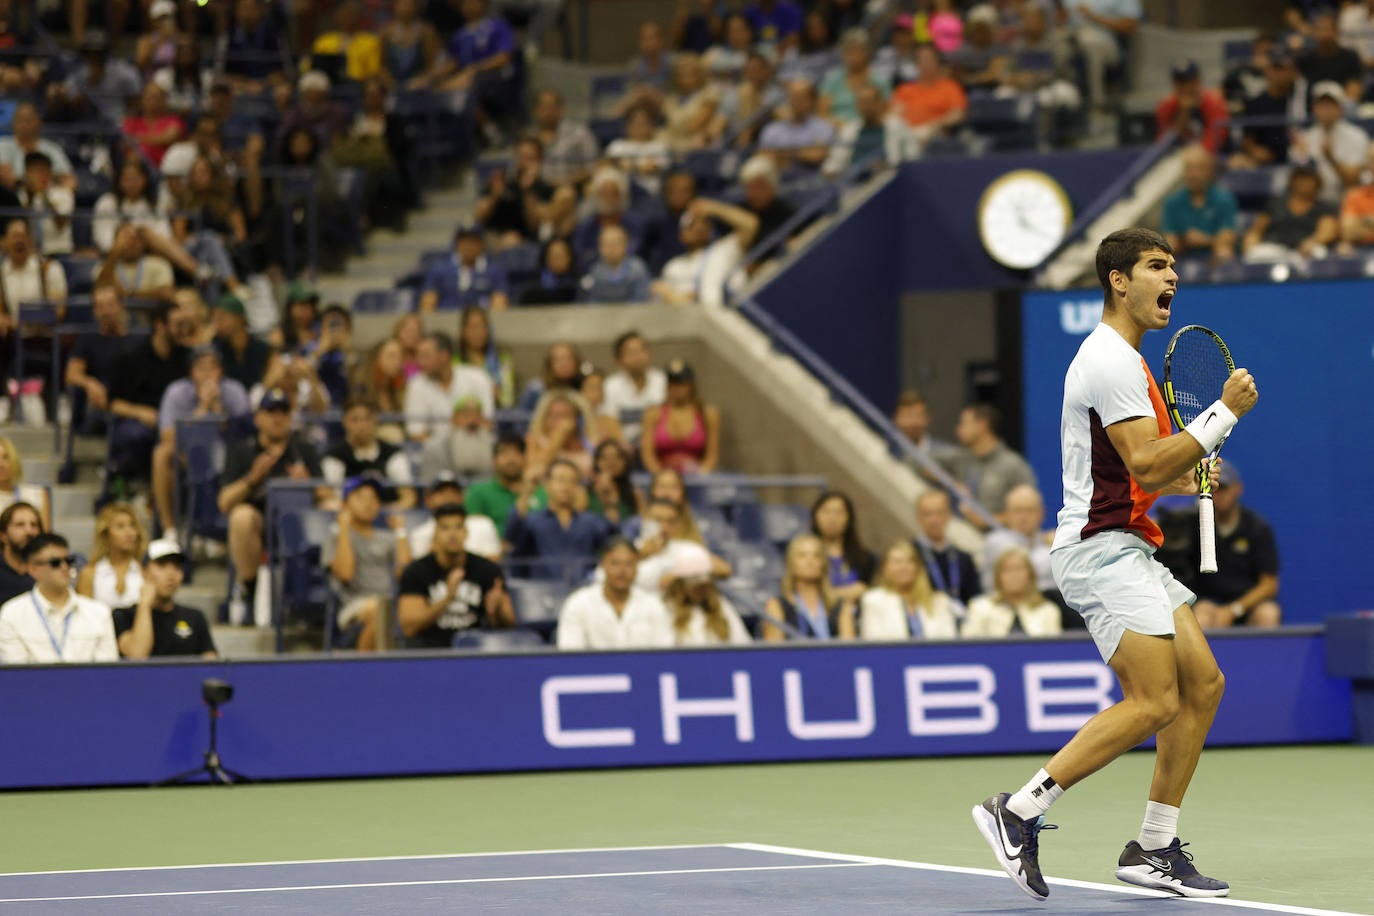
<point>446,881</point>
<point>1061,882</point>
<point>439,855</point>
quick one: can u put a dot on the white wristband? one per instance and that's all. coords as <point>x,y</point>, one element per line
<point>1212,426</point>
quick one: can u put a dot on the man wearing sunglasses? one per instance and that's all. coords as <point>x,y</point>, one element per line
<point>52,623</point>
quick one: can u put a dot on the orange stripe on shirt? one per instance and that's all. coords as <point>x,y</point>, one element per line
<point>1141,501</point>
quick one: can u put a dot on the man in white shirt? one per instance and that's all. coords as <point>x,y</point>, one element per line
<point>700,274</point>
<point>135,272</point>
<point>612,613</point>
<point>27,126</point>
<point>1023,515</point>
<point>636,385</point>
<point>51,203</point>
<point>52,623</point>
<point>482,537</point>
<point>25,276</point>
<point>432,395</point>
<point>1334,146</point>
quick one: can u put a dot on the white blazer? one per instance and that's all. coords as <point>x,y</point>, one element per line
<point>882,615</point>
<point>989,617</point>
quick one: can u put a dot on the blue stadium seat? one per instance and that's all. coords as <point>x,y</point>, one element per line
<point>384,301</point>
<point>500,641</point>
<point>1034,60</point>
<point>80,273</point>
<point>705,165</point>
<point>1009,124</point>
<point>1252,187</point>
<point>947,147</point>
<point>607,89</point>
<point>1236,53</point>
<point>521,263</point>
<point>303,590</point>
<point>536,602</point>
<point>760,564</point>
<point>1341,267</point>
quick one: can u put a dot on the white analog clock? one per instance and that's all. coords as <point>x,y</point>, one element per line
<point>1022,218</point>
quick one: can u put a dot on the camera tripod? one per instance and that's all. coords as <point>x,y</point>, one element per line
<point>212,769</point>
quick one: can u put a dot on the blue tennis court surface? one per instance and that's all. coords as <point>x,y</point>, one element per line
<point>735,878</point>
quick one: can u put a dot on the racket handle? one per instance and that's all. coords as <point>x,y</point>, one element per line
<point>1207,533</point>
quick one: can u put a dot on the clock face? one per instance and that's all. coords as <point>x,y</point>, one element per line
<point>1022,218</point>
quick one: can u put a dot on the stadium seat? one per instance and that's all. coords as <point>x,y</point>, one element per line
<point>500,641</point>
<point>1009,124</point>
<point>759,564</point>
<point>384,301</point>
<point>1341,267</point>
<point>80,273</point>
<point>607,89</point>
<point>303,591</point>
<point>1252,187</point>
<point>536,603</point>
<point>521,263</point>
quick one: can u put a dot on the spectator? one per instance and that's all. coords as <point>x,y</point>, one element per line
<point>99,80</point>
<point>14,490</point>
<point>612,613</point>
<point>760,180</point>
<point>636,386</point>
<point>360,452</point>
<point>19,524</point>
<point>364,562</point>
<point>495,498</point>
<point>616,276</point>
<point>183,81</point>
<point>1055,87</point>
<point>468,278</point>
<point>465,448</point>
<point>432,395</point>
<point>113,574</point>
<point>669,485</point>
<point>133,271</point>
<point>1283,100</point>
<point>1327,60</point>
<point>204,392</point>
<point>651,66</point>
<point>1101,30</point>
<point>902,604</point>
<point>1195,114</point>
<point>606,427</point>
<point>700,615</point>
<point>477,348</point>
<point>191,325</point>
<point>663,233</point>
<point>143,374</point>
<point>300,326</point>
<point>208,199</point>
<point>849,564</point>
<point>449,590</point>
<point>1015,605</point>
<point>311,180</point>
<point>981,62</point>
<point>843,15</point>
<point>156,127</point>
<point>87,633</point>
<point>521,206</point>
<point>90,372</point>
<point>802,140</point>
<point>26,276</point>
<point>912,417</point>
<point>359,47</point>
<point>562,370</point>
<point>895,62</point>
<point>555,543</point>
<point>692,110</point>
<point>1357,29</point>
<point>610,193</point>
<point>130,201</point>
<point>558,280</point>
<point>925,108</point>
<point>28,128</point>
<point>1024,518</point>
<point>334,358</point>
<point>299,376</point>
<point>561,429</point>
<point>410,48</point>
<point>701,272</point>
<point>611,494</point>
<point>314,112</point>
<point>482,538</point>
<point>863,140</point>
<point>666,532</point>
<point>1334,146</point>
<point>570,150</point>
<point>155,625</point>
<point>697,25</point>
<point>252,57</point>
<point>1244,589</point>
<point>776,23</point>
<point>207,140</point>
<point>243,356</point>
<point>1200,217</point>
<point>951,570</point>
<point>683,433</point>
<point>1357,210</point>
<point>942,27</point>
<point>987,467</point>
<point>483,52</point>
<point>49,205</point>
<point>275,453</point>
<point>748,106</point>
<point>381,381</point>
<point>807,604</point>
<point>1298,224</point>
<point>1248,80</point>
<point>641,153</point>
<point>724,62</point>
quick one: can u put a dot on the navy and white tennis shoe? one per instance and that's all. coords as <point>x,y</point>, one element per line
<point>1015,843</point>
<point>1169,869</point>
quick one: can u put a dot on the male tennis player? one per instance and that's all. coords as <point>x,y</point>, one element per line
<point>1118,457</point>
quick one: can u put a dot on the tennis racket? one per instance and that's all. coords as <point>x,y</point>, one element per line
<point>1196,367</point>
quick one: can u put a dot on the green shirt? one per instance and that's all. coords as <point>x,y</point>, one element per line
<point>492,499</point>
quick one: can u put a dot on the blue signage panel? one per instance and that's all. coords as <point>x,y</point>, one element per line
<point>295,719</point>
<point>1304,451</point>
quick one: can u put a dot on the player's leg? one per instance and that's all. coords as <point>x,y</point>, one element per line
<point>1156,858</point>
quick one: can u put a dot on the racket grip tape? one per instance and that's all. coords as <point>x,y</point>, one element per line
<point>1207,533</point>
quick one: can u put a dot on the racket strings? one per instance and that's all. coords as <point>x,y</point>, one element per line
<point>1198,371</point>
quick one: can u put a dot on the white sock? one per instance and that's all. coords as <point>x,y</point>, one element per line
<point>1035,797</point>
<point>1159,827</point>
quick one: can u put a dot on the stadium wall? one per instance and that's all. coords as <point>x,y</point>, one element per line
<point>1306,450</point>
<point>419,713</point>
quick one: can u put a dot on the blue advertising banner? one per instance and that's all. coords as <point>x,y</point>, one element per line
<point>1306,449</point>
<point>393,715</point>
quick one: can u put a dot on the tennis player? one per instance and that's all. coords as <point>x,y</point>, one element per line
<point>1118,457</point>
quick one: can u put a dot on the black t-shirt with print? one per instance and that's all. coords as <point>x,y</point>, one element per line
<point>468,610</point>
<point>180,631</point>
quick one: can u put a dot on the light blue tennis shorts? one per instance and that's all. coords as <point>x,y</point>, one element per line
<point>1115,584</point>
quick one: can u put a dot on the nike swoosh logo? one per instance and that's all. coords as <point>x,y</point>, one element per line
<point>1209,419</point>
<point>1007,847</point>
<point>1159,863</point>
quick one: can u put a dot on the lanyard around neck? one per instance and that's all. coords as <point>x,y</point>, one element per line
<point>57,647</point>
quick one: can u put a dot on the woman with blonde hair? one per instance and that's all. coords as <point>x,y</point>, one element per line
<point>1015,606</point>
<point>562,426</point>
<point>701,617</point>
<point>807,604</point>
<point>667,484</point>
<point>114,577</point>
<point>14,490</point>
<point>902,604</point>
<point>381,380</point>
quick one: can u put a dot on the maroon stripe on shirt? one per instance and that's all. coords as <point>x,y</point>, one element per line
<point>1111,503</point>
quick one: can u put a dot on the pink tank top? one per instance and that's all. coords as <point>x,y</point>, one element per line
<point>682,455</point>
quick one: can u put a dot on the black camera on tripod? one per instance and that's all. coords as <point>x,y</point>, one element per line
<point>216,692</point>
